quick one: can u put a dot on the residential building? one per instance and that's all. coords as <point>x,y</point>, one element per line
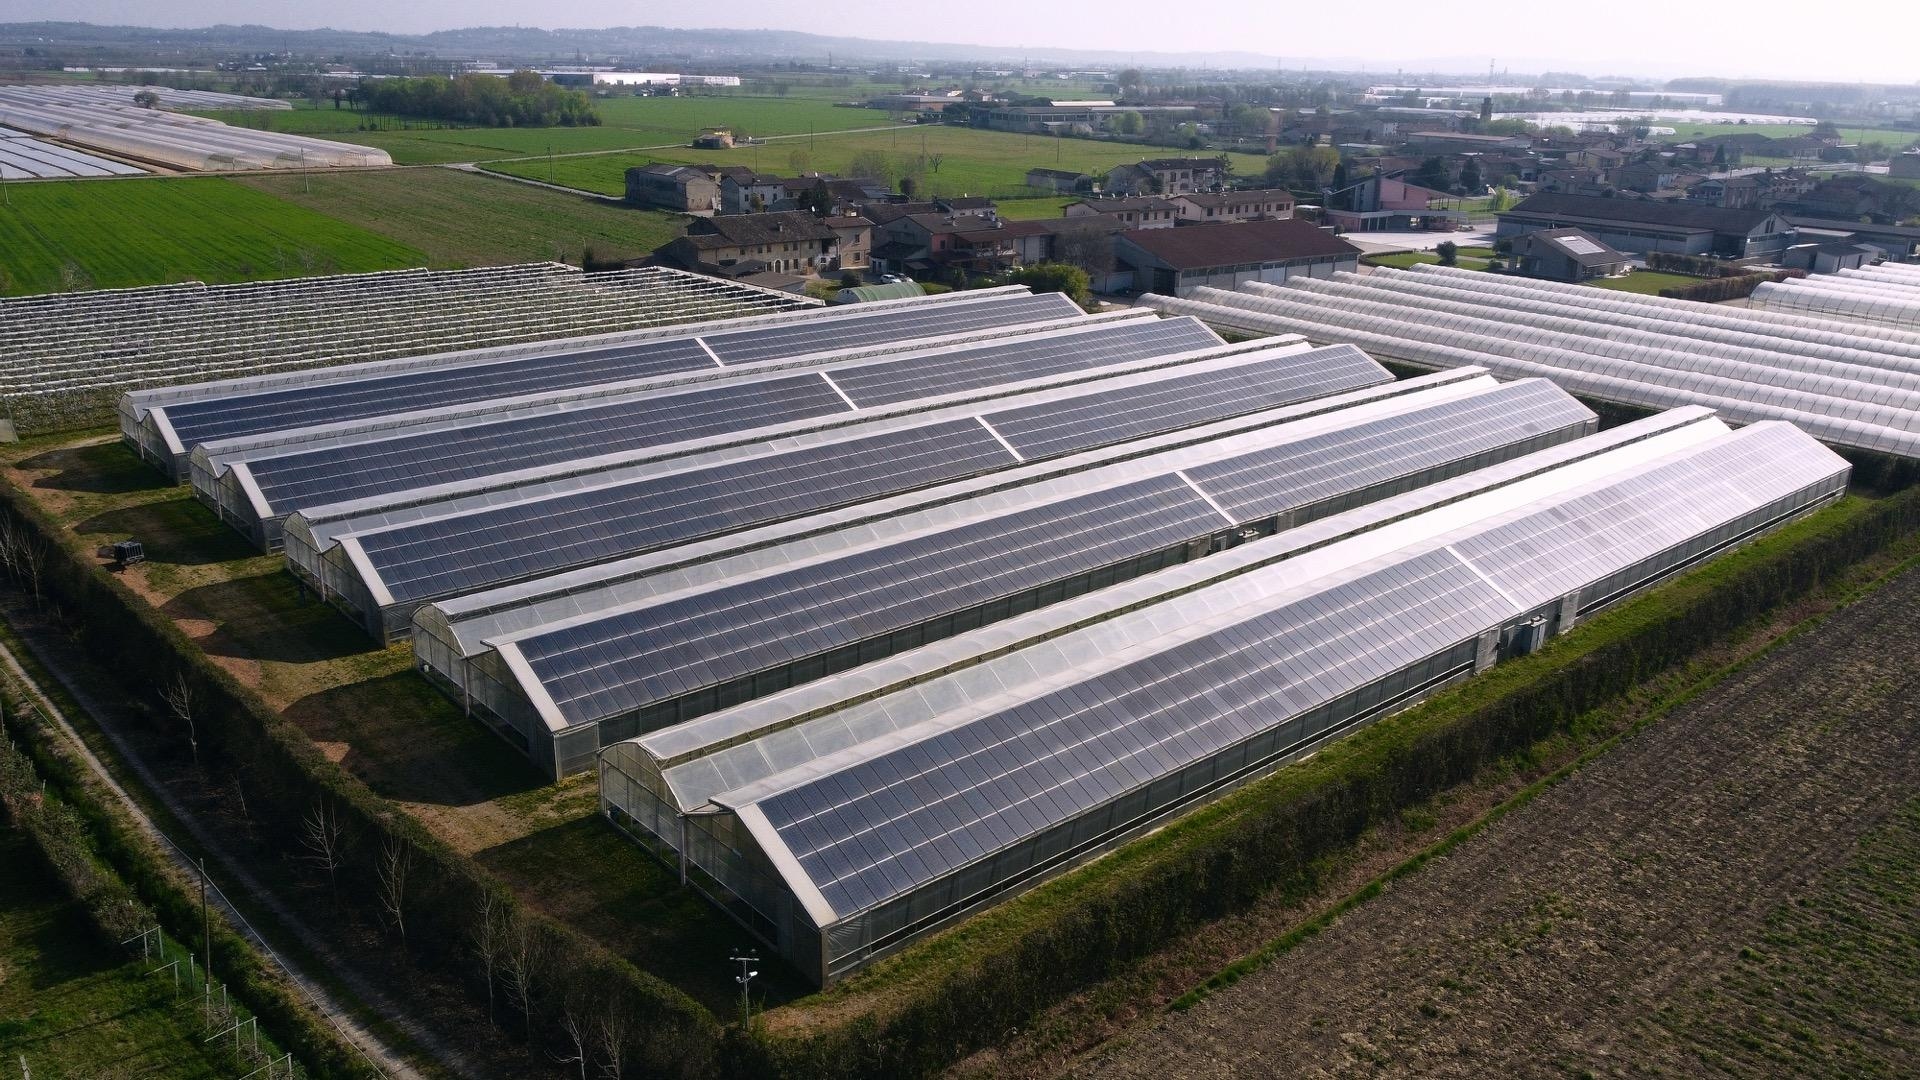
<point>1247,205</point>
<point>1733,192</point>
<point>1166,176</point>
<point>1639,225</point>
<point>1904,166</point>
<point>1455,142</point>
<point>786,242</point>
<point>742,191</point>
<point>1381,203</point>
<point>853,240</point>
<point>680,188</point>
<point>1565,255</point>
<point>1174,262</point>
<point>1145,212</point>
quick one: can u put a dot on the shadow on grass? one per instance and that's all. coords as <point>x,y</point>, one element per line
<point>262,617</point>
<point>408,743</point>
<point>588,875</point>
<point>107,468</point>
<point>177,531</point>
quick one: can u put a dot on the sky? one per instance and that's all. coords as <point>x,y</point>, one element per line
<point>1734,38</point>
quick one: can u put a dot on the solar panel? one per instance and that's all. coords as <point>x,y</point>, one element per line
<point>1579,245</point>
<point>1095,419</point>
<point>196,422</point>
<point>801,338</point>
<point>620,663</point>
<point>881,383</point>
<point>342,473</point>
<point>451,555</point>
<point>1296,474</point>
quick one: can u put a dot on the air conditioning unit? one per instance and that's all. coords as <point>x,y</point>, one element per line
<point>1524,639</point>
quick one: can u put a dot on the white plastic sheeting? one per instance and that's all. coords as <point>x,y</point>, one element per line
<point>194,143</point>
<point>1888,309</point>
<point>23,157</point>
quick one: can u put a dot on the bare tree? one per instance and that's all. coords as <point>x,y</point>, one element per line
<point>610,1028</point>
<point>575,1024</point>
<point>179,698</point>
<point>520,964</point>
<point>321,838</point>
<point>934,161</point>
<point>1088,247</point>
<point>396,862</point>
<point>489,940</point>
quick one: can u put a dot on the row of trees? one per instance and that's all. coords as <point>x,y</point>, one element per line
<point>522,99</point>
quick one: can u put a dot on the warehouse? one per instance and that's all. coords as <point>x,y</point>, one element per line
<point>1846,405</point>
<point>968,787</point>
<point>383,570</point>
<point>256,489</point>
<point>268,409</point>
<point>724,630</point>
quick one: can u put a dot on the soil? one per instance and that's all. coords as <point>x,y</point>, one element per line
<point>1619,923</point>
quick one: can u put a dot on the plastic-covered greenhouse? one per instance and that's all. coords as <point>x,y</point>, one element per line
<point>1844,412</point>
<point>384,565</point>
<point>887,816</point>
<point>284,408</point>
<point>256,489</point>
<point>727,628</point>
<point>194,143</point>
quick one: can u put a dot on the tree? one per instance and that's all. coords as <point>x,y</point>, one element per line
<point>1720,156</point>
<point>908,186</point>
<point>1055,277</point>
<point>798,161</point>
<point>321,835</point>
<point>1448,251</point>
<point>934,162</point>
<point>1470,179</point>
<point>396,863</point>
<point>1486,109</point>
<point>147,99</point>
<point>1127,123</point>
<point>871,164</point>
<point>816,198</point>
<point>179,699</point>
<point>1088,247</point>
<point>1129,77</point>
<point>489,940</point>
<point>1307,167</point>
<point>1433,174</point>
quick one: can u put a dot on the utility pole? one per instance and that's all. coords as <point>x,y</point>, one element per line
<point>745,960</point>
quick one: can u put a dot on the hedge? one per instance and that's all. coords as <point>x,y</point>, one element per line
<point>667,1033</point>
<point>1278,834</point>
<point>1737,287</point>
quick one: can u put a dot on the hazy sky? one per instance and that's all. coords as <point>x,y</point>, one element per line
<point>1862,39</point>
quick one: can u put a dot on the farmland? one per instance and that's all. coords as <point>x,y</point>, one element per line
<point>64,234</point>
<point>970,161</point>
<point>71,1005</point>
<point>626,122</point>
<point>1649,282</point>
<point>460,219</point>
<point>1684,132</point>
<point>1730,890</point>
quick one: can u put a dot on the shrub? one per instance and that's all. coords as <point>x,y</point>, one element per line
<point>1448,252</point>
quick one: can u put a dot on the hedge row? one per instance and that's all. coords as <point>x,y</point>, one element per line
<point>1737,287</point>
<point>1279,833</point>
<point>451,907</point>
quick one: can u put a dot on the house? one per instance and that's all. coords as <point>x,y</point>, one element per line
<point>1900,242</point>
<point>853,239</point>
<point>1166,176</point>
<point>1060,181</point>
<point>1382,203</point>
<point>917,243</point>
<point>742,191</point>
<point>1639,225</point>
<point>681,188</point>
<point>1646,176</point>
<point>998,247</point>
<point>1146,212</point>
<point>1574,181</point>
<point>1566,255</point>
<point>714,139</point>
<point>1174,262</point>
<point>968,206</point>
<point>1733,192</point>
<point>1247,205</point>
<point>1830,257</point>
<point>1904,166</point>
<point>785,242</point>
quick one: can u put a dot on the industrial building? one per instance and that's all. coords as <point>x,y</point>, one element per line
<point>893,809</point>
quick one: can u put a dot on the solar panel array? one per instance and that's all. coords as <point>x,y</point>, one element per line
<point>369,465</point>
<point>458,553</point>
<point>599,667</point>
<point>1222,684</point>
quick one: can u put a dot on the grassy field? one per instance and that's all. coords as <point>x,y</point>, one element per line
<point>463,219</point>
<point>141,232</point>
<point>1047,206</point>
<point>71,1006</point>
<point>1649,282</point>
<point>1469,258</point>
<point>1685,132</point>
<point>626,122</point>
<point>973,161</point>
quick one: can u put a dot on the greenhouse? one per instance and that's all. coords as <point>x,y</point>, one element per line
<point>266,409</point>
<point>929,803</point>
<point>1846,302</point>
<point>256,489</point>
<point>25,158</point>
<point>453,638</point>
<point>194,143</point>
<point>381,573</point>
<point>726,629</point>
<point>1841,412</point>
<point>78,351</point>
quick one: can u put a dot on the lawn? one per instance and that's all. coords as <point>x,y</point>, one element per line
<point>973,161</point>
<point>1049,206</point>
<point>626,122</point>
<point>461,219</point>
<point>1649,282</point>
<point>80,233</point>
<point>1467,258</point>
<point>72,1005</point>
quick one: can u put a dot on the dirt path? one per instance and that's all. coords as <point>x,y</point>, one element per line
<point>1559,941</point>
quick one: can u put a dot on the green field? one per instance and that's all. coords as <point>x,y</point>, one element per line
<point>1685,132</point>
<point>83,233</point>
<point>1649,282</point>
<point>974,162</point>
<point>1048,206</point>
<point>460,219</point>
<point>73,1006</point>
<point>627,122</point>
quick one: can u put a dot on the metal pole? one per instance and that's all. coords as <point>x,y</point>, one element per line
<point>206,918</point>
